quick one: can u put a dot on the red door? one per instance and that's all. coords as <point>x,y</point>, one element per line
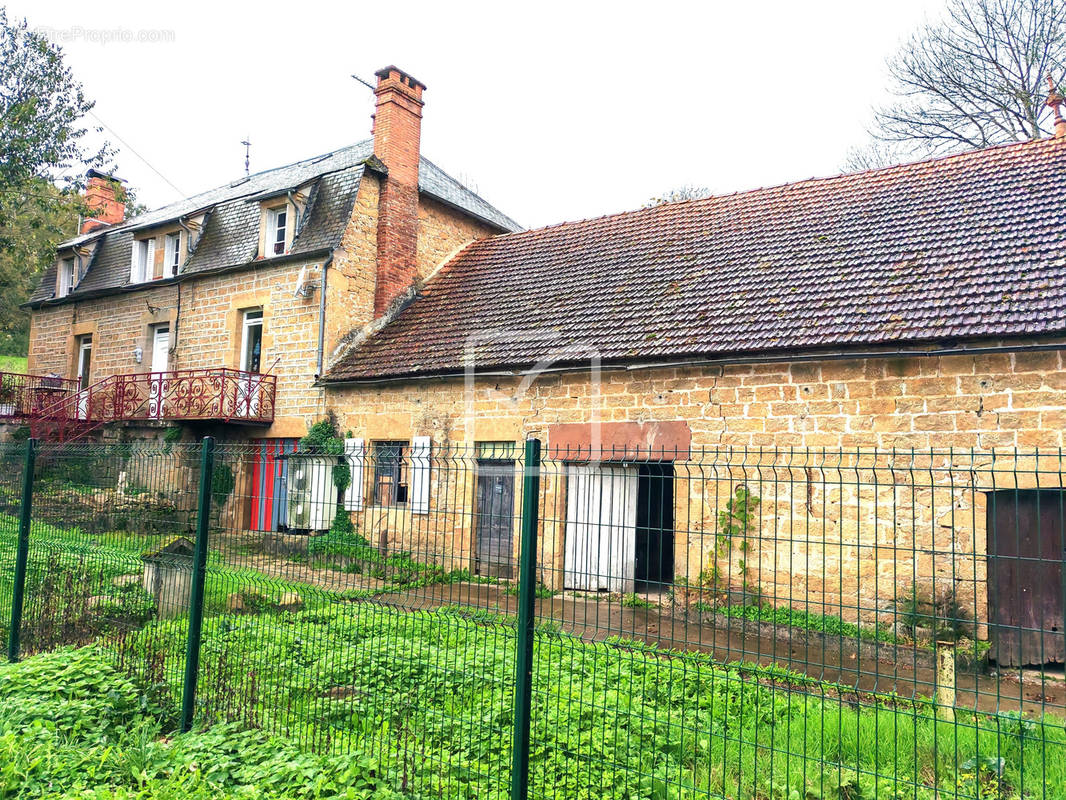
<point>269,483</point>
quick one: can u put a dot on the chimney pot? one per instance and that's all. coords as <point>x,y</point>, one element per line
<point>1054,101</point>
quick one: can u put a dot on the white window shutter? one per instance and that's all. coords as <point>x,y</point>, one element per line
<point>420,475</point>
<point>149,262</point>
<point>355,454</point>
<point>135,263</point>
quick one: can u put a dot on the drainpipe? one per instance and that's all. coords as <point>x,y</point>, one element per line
<point>322,315</point>
<point>177,322</point>
<point>177,314</point>
<point>295,214</point>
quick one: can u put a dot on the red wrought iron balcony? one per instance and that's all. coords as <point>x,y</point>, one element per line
<point>220,395</point>
<point>208,395</point>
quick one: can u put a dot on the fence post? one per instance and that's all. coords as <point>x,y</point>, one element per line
<point>196,595</point>
<point>944,697</point>
<point>22,553</point>
<point>527,577</point>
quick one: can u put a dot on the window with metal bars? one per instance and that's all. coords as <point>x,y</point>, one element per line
<point>390,472</point>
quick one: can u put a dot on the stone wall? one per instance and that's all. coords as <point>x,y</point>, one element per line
<point>844,532</point>
<point>205,313</point>
<point>117,324</point>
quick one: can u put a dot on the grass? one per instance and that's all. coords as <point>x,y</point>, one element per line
<point>13,364</point>
<point>636,601</point>
<point>422,702</point>
<point>817,623</point>
<point>429,693</point>
<point>540,591</point>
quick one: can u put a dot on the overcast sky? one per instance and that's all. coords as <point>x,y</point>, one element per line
<point>552,111</point>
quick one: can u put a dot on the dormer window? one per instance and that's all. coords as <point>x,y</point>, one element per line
<point>142,267</point>
<point>65,280</point>
<point>171,254</point>
<point>277,224</point>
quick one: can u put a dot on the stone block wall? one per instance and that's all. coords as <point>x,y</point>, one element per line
<point>838,529</point>
<point>205,312</point>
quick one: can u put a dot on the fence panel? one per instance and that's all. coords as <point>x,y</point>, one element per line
<point>12,459</point>
<point>108,553</point>
<point>707,623</point>
<point>770,623</point>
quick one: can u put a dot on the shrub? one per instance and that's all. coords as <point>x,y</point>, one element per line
<point>944,616</point>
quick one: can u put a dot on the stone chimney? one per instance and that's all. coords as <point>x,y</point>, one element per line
<point>397,130</point>
<point>102,196</point>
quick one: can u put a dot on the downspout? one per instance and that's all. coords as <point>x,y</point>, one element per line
<point>188,251</point>
<point>295,214</point>
<point>322,316</point>
<point>177,322</point>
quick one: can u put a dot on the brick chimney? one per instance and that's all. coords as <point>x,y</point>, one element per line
<point>397,129</point>
<point>102,195</point>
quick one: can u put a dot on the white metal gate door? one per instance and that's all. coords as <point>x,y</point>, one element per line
<point>601,519</point>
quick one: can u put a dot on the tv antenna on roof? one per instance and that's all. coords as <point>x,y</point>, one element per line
<point>367,84</point>
<point>247,150</point>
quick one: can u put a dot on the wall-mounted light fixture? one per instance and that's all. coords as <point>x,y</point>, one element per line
<point>138,355</point>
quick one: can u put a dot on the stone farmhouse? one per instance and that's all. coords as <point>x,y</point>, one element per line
<point>920,306</point>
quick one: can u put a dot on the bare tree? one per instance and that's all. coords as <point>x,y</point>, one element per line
<point>876,154</point>
<point>679,194</point>
<point>977,78</point>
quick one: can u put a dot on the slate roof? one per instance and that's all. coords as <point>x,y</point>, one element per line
<point>967,246</point>
<point>231,232</point>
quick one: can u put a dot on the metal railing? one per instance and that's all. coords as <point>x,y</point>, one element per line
<point>564,623</point>
<point>228,395</point>
<point>24,396</point>
<point>225,395</point>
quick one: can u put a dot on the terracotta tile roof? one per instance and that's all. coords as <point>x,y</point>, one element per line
<point>972,245</point>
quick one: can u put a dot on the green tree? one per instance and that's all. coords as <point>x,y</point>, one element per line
<point>42,144</point>
<point>30,229</point>
<point>42,108</point>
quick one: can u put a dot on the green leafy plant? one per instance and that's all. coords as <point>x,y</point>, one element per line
<point>738,522</point>
<point>982,778</point>
<point>322,438</point>
<point>943,616</point>
<point>636,601</point>
<point>541,591</point>
<point>223,481</point>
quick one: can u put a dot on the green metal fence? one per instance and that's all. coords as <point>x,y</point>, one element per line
<point>499,620</point>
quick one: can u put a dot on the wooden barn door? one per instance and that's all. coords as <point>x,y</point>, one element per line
<point>495,518</point>
<point>1026,541</point>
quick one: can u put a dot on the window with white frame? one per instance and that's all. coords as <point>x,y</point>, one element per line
<point>277,225</point>
<point>171,254</point>
<point>65,283</point>
<point>142,267</point>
